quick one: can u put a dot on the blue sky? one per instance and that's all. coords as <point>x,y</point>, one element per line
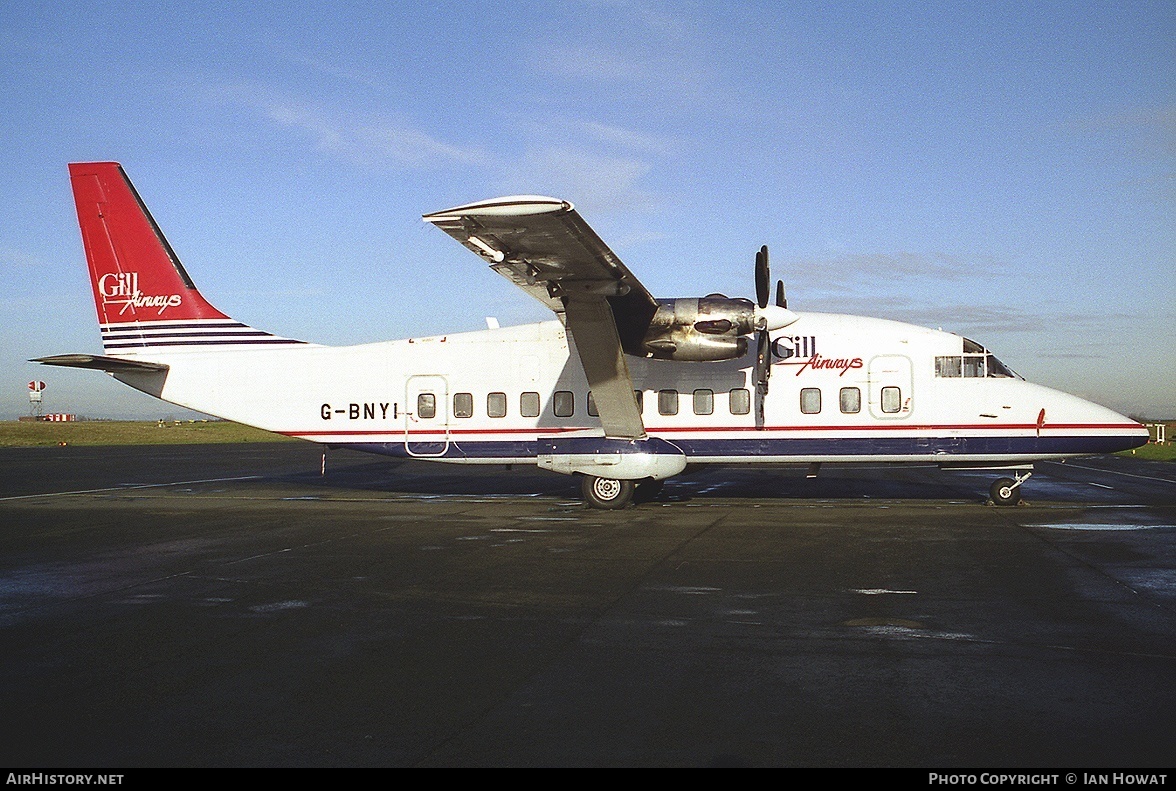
<point>1003,170</point>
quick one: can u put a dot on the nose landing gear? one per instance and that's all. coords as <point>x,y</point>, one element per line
<point>1007,491</point>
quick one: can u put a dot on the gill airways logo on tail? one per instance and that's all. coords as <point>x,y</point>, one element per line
<point>122,288</point>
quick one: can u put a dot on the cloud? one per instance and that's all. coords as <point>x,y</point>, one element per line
<point>851,273</point>
<point>651,18</point>
<point>599,166</point>
<point>1156,189</point>
<point>373,140</point>
<point>628,139</point>
<point>639,56</point>
<point>590,179</point>
<point>590,63</point>
<point>967,318</point>
<point>367,139</point>
<point>1070,356</point>
<point>591,162</point>
<point>1151,130</point>
<point>348,75</point>
<point>15,259</point>
<point>1148,136</point>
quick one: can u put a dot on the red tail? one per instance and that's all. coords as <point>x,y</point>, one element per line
<point>145,300</point>
<point>135,274</point>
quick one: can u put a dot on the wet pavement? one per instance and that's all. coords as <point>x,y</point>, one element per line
<point>230,606</point>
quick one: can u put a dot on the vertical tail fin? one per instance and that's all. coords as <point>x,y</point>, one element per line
<point>144,296</point>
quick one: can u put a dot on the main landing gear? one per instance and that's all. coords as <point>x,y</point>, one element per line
<point>1007,491</point>
<point>612,494</point>
<point>606,493</point>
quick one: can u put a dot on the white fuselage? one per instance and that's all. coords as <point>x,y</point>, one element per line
<point>842,389</point>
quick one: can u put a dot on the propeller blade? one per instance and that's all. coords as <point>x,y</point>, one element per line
<point>763,280</point>
<point>781,300</point>
<point>763,358</point>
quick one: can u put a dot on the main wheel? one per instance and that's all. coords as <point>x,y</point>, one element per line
<point>607,493</point>
<point>1005,491</point>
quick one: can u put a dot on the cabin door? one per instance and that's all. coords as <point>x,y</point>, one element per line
<point>891,390</point>
<point>426,416</point>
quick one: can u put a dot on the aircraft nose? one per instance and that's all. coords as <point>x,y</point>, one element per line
<point>1113,431</point>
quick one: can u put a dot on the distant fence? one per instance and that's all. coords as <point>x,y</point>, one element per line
<point>1158,433</point>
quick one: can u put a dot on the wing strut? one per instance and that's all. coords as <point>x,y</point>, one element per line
<point>593,330</point>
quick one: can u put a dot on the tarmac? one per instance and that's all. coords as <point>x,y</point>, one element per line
<point>228,605</point>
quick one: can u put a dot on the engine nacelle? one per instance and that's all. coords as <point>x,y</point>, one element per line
<point>700,330</point>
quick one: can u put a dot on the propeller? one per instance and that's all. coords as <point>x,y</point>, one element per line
<point>763,359</point>
<point>763,341</point>
<point>763,283</point>
<point>763,280</point>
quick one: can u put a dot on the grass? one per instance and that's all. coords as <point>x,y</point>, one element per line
<point>14,434</point>
<point>1153,452</point>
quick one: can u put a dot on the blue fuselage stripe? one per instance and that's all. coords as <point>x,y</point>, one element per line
<point>934,448</point>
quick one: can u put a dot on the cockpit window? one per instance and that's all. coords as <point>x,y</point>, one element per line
<point>975,363</point>
<point>950,367</point>
<point>998,369</point>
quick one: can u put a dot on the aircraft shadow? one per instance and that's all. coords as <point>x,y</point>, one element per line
<point>393,476</point>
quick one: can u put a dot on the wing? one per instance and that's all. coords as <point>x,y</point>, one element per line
<point>543,246</point>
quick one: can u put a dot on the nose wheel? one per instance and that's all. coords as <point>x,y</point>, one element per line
<point>1007,491</point>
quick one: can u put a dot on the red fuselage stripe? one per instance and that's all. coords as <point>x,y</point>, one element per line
<point>721,429</point>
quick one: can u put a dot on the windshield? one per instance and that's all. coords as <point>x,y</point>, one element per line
<point>975,363</point>
<point>997,368</point>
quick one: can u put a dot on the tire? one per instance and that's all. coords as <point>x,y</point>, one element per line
<point>1005,491</point>
<point>606,493</point>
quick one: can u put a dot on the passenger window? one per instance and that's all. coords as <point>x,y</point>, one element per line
<point>426,405</point>
<point>592,405</point>
<point>891,399</point>
<point>851,400</point>
<point>704,402</point>
<point>667,402</point>
<point>463,404</point>
<point>563,403</point>
<point>529,405</point>
<point>810,400</point>
<point>640,396</point>
<point>740,401</point>
<point>496,404</point>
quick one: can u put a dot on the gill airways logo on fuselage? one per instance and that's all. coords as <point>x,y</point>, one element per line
<point>122,288</point>
<point>801,351</point>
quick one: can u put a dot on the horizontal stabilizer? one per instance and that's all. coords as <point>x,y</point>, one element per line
<point>114,365</point>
